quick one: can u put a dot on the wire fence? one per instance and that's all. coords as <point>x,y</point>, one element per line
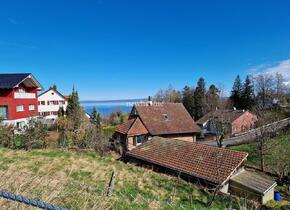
<point>23,190</point>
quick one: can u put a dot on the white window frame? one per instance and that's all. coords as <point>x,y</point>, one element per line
<point>31,107</point>
<point>18,109</point>
<point>136,140</point>
<point>6,112</point>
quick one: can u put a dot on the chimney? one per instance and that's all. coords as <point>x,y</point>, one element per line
<point>149,102</point>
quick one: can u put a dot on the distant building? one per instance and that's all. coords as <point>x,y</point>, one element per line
<point>18,98</point>
<point>234,121</point>
<point>50,102</point>
<point>169,120</point>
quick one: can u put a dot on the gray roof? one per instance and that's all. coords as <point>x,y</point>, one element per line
<point>8,81</point>
<point>254,181</point>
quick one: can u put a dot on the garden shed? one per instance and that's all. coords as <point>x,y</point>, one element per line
<point>253,186</point>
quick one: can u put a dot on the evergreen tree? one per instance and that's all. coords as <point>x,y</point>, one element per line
<point>53,87</point>
<point>96,118</point>
<point>188,100</point>
<point>212,98</point>
<point>199,99</point>
<point>73,105</point>
<point>74,111</point>
<point>60,111</point>
<point>247,96</point>
<point>236,95</point>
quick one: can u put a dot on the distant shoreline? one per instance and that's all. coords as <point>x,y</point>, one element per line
<point>112,101</point>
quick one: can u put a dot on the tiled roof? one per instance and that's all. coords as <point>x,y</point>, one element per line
<point>210,163</point>
<point>226,116</point>
<point>166,118</point>
<point>132,127</point>
<point>8,81</point>
<point>254,181</point>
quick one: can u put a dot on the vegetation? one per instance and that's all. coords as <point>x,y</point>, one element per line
<point>257,93</point>
<point>277,153</point>
<point>199,99</point>
<point>33,137</point>
<point>79,181</point>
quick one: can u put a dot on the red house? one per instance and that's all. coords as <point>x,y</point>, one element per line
<point>18,98</point>
<point>234,121</point>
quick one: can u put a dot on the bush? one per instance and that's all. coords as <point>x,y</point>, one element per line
<point>7,137</point>
<point>34,135</point>
<point>83,134</point>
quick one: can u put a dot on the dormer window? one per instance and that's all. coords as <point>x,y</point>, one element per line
<point>165,116</point>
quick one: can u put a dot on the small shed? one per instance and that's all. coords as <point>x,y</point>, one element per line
<point>252,186</point>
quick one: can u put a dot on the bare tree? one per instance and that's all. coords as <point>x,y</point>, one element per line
<point>168,95</point>
<point>280,87</point>
<point>218,156</point>
<point>264,133</point>
<point>263,85</point>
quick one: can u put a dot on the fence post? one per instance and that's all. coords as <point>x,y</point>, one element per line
<point>111,184</point>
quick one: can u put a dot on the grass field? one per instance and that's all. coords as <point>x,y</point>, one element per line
<point>254,159</point>
<point>79,181</point>
<point>274,145</point>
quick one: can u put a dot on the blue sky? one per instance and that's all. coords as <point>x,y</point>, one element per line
<point>129,49</point>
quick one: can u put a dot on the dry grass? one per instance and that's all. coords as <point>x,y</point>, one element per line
<point>79,181</point>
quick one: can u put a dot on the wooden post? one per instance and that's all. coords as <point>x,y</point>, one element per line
<point>111,184</point>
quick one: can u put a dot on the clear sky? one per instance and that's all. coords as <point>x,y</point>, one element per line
<point>119,49</point>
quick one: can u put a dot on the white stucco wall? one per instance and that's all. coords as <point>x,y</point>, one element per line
<point>51,95</point>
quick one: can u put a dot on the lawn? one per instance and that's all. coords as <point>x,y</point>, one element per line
<point>254,159</point>
<point>79,180</point>
<point>275,146</point>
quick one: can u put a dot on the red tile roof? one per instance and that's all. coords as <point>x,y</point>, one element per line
<point>166,118</point>
<point>132,126</point>
<point>225,116</point>
<point>206,162</point>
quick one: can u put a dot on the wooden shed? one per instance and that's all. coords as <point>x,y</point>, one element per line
<point>252,186</point>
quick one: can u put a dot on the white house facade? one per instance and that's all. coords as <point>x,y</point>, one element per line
<point>50,102</point>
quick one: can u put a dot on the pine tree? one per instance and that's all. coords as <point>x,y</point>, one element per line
<point>73,105</point>
<point>96,118</point>
<point>236,95</point>
<point>188,100</point>
<point>74,111</point>
<point>247,96</point>
<point>212,98</point>
<point>60,111</point>
<point>199,99</point>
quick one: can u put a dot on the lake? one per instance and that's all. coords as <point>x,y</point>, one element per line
<point>105,108</point>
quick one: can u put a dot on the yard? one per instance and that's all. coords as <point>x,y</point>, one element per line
<point>277,152</point>
<point>272,147</point>
<point>79,180</point>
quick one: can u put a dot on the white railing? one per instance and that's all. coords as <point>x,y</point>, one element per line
<point>24,95</point>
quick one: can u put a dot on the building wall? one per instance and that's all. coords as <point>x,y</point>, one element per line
<point>244,123</point>
<point>183,137</point>
<point>50,108</point>
<point>268,196</point>
<point>7,98</point>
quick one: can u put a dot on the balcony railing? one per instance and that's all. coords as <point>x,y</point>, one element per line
<point>24,95</point>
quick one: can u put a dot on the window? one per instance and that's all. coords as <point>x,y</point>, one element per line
<point>138,140</point>
<point>3,112</point>
<point>31,107</point>
<point>19,108</point>
<point>21,90</point>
